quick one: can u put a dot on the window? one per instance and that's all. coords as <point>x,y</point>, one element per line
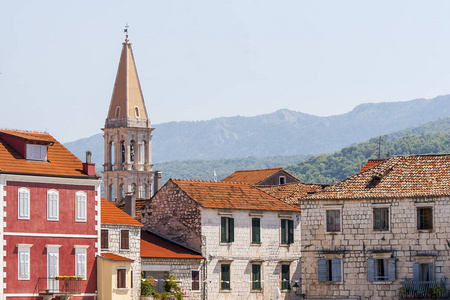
<point>424,218</point>
<point>225,276</point>
<point>124,239</point>
<point>195,280</point>
<point>80,262</point>
<point>226,230</point>
<point>330,269</point>
<point>105,239</point>
<point>333,220</point>
<point>285,277</point>
<point>36,152</point>
<point>52,205</point>
<point>282,180</point>
<point>121,278</point>
<point>256,230</point>
<point>423,271</point>
<point>80,207</point>
<point>381,218</point>
<point>256,276</point>
<point>117,111</point>
<point>23,208</point>
<point>23,261</point>
<point>136,112</point>
<point>380,269</point>
<point>287,231</point>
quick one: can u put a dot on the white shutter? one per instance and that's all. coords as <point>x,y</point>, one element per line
<point>80,262</point>
<point>52,205</point>
<point>23,203</point>
<point>80,207</point>
<point>23,263</point>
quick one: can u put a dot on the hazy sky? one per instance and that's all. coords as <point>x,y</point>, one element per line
<point>199,60</point>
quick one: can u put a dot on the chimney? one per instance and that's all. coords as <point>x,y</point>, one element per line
<point>88,166</point>
<point>130,204</point>
<point>157,181</point>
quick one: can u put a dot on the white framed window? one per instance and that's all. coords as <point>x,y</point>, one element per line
<point>333,218</point>
<point>80,206</point>
<point>80,261</point>
<point>52,205</point>
<point>23,261</point>
<point>36,152</point>
<point>23,204</point>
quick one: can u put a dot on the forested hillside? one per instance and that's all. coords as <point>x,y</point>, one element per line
<point>329,168</point>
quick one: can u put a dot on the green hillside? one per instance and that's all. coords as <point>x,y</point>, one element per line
<point>329,168</point>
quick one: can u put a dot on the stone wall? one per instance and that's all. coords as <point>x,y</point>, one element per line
<point>181,269</point>
<point>172,214</point>
<point>133,253</point>
<point>357,241</point>
<point>242,253</point>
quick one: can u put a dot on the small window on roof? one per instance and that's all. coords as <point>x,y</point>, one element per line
<point>373,182</point>
<point>36,152</point>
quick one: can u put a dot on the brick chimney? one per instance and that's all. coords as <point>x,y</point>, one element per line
<point>130,204</point>
<point>88,166</point>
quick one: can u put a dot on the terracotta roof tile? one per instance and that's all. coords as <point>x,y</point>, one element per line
<point>115,257</point>
<point>291,192</point>
<point>60,161</point>
<point>251,176</point>
<point>158,247</point>
<point>396,177</point>
<point>110,214</point>
<point>231,195</point>
<point>372,162</point>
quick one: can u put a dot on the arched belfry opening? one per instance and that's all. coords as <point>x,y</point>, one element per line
<point>127,135</point>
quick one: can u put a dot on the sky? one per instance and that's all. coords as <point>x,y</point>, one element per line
<point>204,59</point>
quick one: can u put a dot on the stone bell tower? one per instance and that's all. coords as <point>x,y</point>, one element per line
<point>127,135</point>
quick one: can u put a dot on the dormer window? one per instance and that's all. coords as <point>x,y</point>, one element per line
<point>282,180</point>
<point>36,152</point>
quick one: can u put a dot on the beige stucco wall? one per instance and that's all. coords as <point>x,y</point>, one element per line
<point>107,280</point>
<point>357,241</point>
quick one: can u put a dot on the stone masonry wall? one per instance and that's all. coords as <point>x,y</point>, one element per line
<point>172,214</point>
<point>357,241</point>
<point>133,253</point>
<point>242,253</point>
<point>181,269</point>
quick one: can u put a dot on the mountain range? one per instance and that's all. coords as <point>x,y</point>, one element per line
<point>283,132</point>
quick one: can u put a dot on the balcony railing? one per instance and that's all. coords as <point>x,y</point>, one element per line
<point>60,286</point>
<point>411,289</point>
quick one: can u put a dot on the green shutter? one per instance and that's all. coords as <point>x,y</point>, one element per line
<point>223,230</point>
<point>283,232</point>
<point>256,230</point>
<point>290,231</point>
<point>225,278</point>
<point>285,277</point>
<point>231,230</point>
<point>256,277</point>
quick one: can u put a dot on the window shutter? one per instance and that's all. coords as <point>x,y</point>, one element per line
<point>256,277</point>
<point>104,239</point>
<point>124,243</point>
<point>223,230</point>
<point>430,271</point>
<point>225,276</point>
<point>290,231</point>
<point>416,272</point>
<point>231,229</point>
<point>323,269</point>
<point>336,269</point>
<point>195,280</point>
<point>285,277</point>
<point>283,231</point>
<point>370,269</point>
<point>391,268</point>
<point>256,229</point>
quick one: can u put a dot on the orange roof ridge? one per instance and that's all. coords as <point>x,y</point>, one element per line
<point>255,170</point>
<point>115,257</point>
<point>111,214</point>
<point>24,131</point>
<point>212,181</point>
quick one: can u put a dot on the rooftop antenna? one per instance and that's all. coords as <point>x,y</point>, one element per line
<point>379,148</point>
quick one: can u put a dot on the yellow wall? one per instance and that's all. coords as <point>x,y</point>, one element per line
<point>107,280</point>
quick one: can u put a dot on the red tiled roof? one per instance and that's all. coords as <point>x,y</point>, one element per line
<point>60,161</point>
<point>396,177</point>
<point>231,195</point>
<point>372,162</point>
<point>115,257</point>
<point>291,192</point>
<point>251,176</point>
<point>110,214</point>
<point>157,247</point>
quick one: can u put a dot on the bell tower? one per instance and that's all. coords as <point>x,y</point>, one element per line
<point>127,135</point>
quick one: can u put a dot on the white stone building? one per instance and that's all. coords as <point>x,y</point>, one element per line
<point>250,240</point>
<point>381,234</point>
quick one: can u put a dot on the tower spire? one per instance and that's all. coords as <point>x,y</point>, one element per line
<point>126,32</point>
